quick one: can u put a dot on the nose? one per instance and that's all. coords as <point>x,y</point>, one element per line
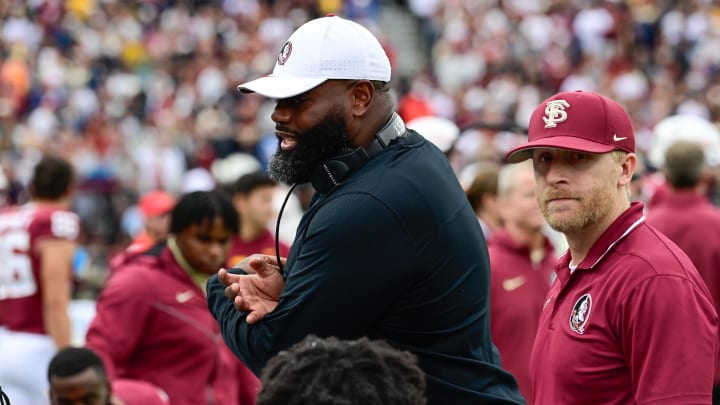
<point>216,251</point>
<point>556,172</point>
<point>281,114</point>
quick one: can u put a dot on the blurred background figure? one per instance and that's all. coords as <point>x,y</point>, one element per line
<point>252,195</point>
<point>348,372</point>
<point>522,265</point>
<point>155,208</point>
<point>77,376</point>
<point>442,132</point>
<point>37,244</point>
<point>686,216</point>
<point>152,321</point>
<point>483,196</point>
<point>682,127</point>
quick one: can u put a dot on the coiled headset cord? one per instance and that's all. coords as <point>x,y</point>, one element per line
<point>4,400</point>
<point>277,230</point>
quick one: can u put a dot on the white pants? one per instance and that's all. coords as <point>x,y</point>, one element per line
<point>24,359</point>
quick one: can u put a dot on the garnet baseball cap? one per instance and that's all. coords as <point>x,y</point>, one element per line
<point>580,121</point>
<point>324,48</point>
<point>156,203</point>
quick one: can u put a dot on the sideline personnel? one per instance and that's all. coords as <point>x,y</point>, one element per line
<point>389,247</point>
<point>628,319</point>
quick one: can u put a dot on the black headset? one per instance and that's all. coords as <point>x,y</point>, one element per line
<point>328,175</point>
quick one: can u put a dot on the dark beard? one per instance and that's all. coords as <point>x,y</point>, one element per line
<point>327,139</point>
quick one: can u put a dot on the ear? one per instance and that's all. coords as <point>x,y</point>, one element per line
<point>628,164</point>
<point>360,98</point>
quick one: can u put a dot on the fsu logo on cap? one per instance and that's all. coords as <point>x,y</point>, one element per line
<point>555,113</point>
<point>284,53</point>
<point>581,314</point>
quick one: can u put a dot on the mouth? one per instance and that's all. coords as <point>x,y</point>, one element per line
<point>288,141</point>
<point>559,199</point>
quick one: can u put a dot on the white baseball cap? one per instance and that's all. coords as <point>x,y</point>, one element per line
<point>440,131</point>
<point>324,48</point>
<point>685,127</point>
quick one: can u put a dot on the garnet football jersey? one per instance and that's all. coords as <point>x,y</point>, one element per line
<point>21,231</point>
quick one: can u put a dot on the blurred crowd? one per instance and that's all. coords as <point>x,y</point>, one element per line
<point>141,95</point>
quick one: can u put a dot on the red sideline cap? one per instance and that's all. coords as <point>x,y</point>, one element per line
<point>156,203</point>
<point>581,121</point>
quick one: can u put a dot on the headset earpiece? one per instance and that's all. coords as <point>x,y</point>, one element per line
<point>329,174</point>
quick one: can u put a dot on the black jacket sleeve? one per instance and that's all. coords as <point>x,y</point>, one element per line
<point>345,271</point>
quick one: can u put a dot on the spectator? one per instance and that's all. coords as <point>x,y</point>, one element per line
<point>383,195</point>
<point>77,375</point>
<point>155,208</point>
<point>37,244</point>
<point>522,263</point>
<point>686,216</point>
<point>352,372</point>
<point>482,194</point>
<point>152,322</point>
<point>252,195</point>
<point>597,339</point>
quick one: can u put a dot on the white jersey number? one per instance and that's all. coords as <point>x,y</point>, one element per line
<point>16,276</point>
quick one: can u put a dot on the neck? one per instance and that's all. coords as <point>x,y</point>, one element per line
<point>580,242</point>
<point>532,238</point>
<point>249,232</point>
<point>492,222</point>
<point>701,188</point>
<point>63,202</point>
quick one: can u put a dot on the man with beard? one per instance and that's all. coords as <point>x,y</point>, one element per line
<point>628,319</point>
<point>389,247</point>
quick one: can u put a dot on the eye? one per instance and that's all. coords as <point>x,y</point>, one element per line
<point>299,100</point>
<point>579,156</point>
<point>296,101</point>
<point>543,157</point>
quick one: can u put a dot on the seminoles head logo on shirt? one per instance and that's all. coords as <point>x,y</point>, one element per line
<point>581,314</point>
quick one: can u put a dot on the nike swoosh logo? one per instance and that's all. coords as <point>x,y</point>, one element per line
<point>510,284</point>
<point>619,138</point>
<point>184,297</point>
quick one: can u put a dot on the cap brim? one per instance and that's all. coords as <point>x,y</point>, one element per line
<point>524,152</point>
<point>279,87</point>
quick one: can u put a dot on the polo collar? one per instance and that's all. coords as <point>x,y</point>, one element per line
<point>623,225</point>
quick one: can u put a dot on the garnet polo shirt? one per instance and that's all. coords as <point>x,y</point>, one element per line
<point>634,323</point>
<point>517,292</point>
<point>693,223</point>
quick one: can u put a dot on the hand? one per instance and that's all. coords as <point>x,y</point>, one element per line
<point>257,293</point>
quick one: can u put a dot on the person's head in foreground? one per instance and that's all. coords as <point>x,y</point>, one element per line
<point>582,146</point>
<point>77,376</point>
<point>342,372</point>
<point>331,84</point>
